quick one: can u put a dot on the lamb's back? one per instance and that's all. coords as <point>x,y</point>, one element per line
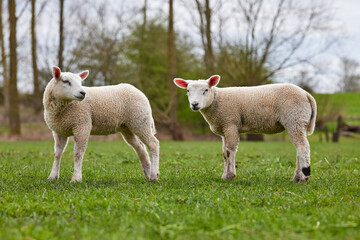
<point>112,106</point>
<point>256,109</point>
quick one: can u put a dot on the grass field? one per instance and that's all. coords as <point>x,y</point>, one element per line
<point>347,102</point>
<point>190,201</point>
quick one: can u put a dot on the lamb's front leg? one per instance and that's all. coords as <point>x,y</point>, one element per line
<point>59,147</point>
<point>80,140</point>
<point>230,144</point>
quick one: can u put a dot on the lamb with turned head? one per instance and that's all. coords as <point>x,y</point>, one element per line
<point>74,110</point>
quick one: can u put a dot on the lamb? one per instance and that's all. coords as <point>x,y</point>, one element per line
<point>263,109</point>
<point>74,110</point>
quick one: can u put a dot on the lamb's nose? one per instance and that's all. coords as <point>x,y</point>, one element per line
<point>82,93</point>
<point>195,104</point>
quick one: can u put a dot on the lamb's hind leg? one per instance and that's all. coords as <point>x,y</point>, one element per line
<point>226,162</point>
<point>59,147</point>
<point>139,148</point>
<point>147,137</point>
<point>302,171</point>
<point>230,144</point>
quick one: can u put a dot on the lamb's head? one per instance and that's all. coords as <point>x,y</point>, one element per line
<point>200,92</point>
<point>67,85</point>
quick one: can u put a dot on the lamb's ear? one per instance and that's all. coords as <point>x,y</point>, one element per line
<point>56,71</point>
<point>181,83</point>
<point>83,75</point>
<point>214,80</point>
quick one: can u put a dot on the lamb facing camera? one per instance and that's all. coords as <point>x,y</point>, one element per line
<point>74,110</point>
<point>268,109</point>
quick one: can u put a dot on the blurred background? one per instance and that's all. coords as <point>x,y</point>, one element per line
<point>311,43</point>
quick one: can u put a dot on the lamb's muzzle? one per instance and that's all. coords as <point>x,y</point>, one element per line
<point>195,106</point>
<point>81,95</point>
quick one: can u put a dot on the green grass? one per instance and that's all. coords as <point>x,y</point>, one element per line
<point>330,106</point>
<point>190,201</point>
<point>347,102</point>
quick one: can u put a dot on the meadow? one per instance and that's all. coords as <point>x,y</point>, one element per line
<point>190,201</point>
<point>348,103</point>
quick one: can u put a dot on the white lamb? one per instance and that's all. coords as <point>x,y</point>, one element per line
<point>105,110</point>
<point>264,109</point>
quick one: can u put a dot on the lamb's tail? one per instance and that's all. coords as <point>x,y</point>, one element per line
<point>311,126</point>
<point>153,129</point>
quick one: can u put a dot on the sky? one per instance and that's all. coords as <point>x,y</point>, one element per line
<point>346,11</point>
<point>349,14</point>
<point>346,15</point>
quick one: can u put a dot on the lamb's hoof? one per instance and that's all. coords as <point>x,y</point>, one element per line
<point>228,176</point>
<point>75,179</point>
<point>300,179</point>
<point>147,174</point>
<point>53,177</point>
<point>154,177</point>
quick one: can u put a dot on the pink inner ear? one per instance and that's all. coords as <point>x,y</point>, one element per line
<point>213,80</point>
<point>181,83</point>
<point>56,72</point>
<point>83,75</point>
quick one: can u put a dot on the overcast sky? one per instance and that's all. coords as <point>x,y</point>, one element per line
<point>349,14</point>
<point>346,11</point>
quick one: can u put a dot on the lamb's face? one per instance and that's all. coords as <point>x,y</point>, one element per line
<point>200,93</point>
<point>68,85</point>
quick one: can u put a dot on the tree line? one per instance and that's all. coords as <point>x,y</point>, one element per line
<point>148,43</point>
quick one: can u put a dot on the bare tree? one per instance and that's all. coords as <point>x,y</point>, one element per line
<point>14,116</point>
<point>148,36</point>
<point>98,45</point>
<point>271,37</point>
<point>205,15</point>
<point>5,67</point>
<point>144,12</point>
<point>306,81</point>
<point>141,48</point>
<point>36,93</point>
<point>61,34</point>
<point>350,77</point>
<point>174,127</point>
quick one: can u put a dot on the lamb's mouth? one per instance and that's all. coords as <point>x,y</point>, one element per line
<point>80,98</point>
<point>195,109</point>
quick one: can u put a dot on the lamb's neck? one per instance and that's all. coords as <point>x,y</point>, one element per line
<point>57,105</point>
<point>211,110</point>
<point>54,105</point>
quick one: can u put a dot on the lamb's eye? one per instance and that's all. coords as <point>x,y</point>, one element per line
<point>67,82</point>
<point>206,90</point>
